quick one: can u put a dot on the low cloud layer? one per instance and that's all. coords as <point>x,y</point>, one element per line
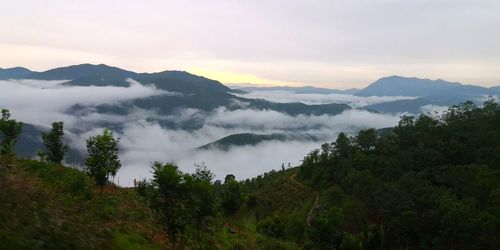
<point>41,102</point>
<point>288,96</point>
<point>143,140</point>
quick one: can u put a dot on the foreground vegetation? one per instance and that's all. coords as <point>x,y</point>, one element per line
<point>428,183</point>
<point>49,206</point>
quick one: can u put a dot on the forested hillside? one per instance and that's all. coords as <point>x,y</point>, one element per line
<point>431,183</point>
<point>428,183</point>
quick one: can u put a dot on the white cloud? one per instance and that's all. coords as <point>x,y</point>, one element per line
<point>42,102</point>
<point>143,140</point>
<point>288,96</point>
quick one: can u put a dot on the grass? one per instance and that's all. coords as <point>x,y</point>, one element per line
<point>48,206</point>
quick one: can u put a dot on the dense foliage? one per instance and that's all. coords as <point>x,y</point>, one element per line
<point>9,131</point>
<point>184,203</point>
<point>103,160</point>
<point>54,144</point>
<point>430,183</point>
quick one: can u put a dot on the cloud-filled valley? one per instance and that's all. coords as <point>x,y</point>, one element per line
<point>312,98</point>
<point>143,139</point>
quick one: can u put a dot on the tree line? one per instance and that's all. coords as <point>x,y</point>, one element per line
<point>432,182</point>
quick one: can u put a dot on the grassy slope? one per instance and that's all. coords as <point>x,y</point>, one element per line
<point>45,206</point>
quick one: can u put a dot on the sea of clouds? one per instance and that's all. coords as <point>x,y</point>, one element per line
<point>281,96</point>
<point>143,141</point>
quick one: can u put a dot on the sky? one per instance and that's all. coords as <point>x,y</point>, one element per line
<point>324,43</point>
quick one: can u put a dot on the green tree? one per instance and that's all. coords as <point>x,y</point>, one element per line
<point>202,195</point>
<point>232,195</point>
<point>172,199</point>
<point>229,178</point>
<point>342,147</point>
<point>366,139</point>
<point>10,129</point>
<point>54,143</point>
<point>103,160</point>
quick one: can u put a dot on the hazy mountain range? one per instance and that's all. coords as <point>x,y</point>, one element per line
<point>298,90</point>
<point>184,91</point>
<point>426,92</point>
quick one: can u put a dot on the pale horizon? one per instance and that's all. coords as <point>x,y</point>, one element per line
<point>263,83</point>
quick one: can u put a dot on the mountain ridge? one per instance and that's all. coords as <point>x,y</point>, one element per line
<point>206,94</point>
<point>14,73</point>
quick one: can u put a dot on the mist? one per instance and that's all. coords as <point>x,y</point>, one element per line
<point>310,98</point>
<point>42,102</point>
<point>143,140</point>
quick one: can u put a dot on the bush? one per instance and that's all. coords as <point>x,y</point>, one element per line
<point>273,226</point>
<point>77,183</point>
<point>71,180</point>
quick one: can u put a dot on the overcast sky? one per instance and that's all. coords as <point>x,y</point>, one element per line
<point>309,42</point>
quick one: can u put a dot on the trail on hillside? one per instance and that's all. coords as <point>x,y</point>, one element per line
<point>315,205</point>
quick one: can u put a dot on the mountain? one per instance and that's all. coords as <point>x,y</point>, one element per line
<point>399,106</point>
<point>14,73</point>
<point>87,74</point>
<point>250,139</point>
<point>297,108</point>
<point>495,90</point>
<point>192,91</point>
<point>299,90</point>
<point>182,82</point>
<point>189,91</point>
<point>404,86</point>
<point>429,92</point>
<point>104,75</point>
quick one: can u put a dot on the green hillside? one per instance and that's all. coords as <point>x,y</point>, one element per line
<point>429,183</point>
<point>48,206</point>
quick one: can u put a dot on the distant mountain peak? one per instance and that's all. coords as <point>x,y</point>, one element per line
<point>406,86</point>
<point>14,73</point>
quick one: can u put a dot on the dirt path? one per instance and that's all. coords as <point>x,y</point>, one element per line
<point>315,205</point>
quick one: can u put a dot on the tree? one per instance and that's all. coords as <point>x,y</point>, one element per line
<point>54,142</point>
<point>342,147</point>
<point>170,202</point>
<point>201,195</point>
<point>9,132</point>
<point>232,196</point>
<point>103,158</point>
<point>229,178</point>
<point>366,139</point>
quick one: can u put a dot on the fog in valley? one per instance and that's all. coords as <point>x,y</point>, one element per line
<point>143,140</point>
